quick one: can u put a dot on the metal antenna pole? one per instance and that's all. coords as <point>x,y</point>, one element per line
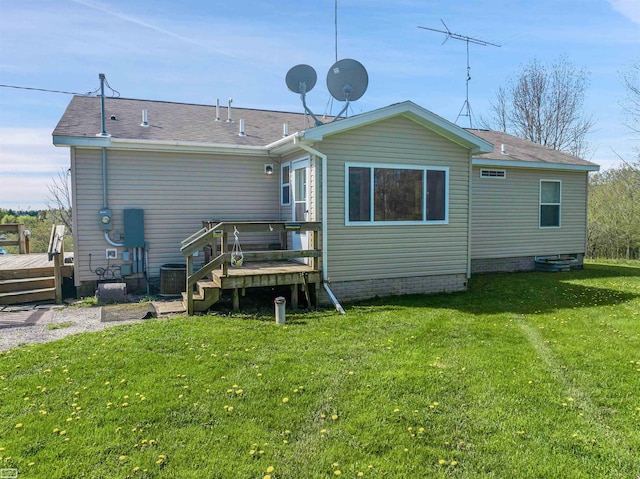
<point>466,107</point>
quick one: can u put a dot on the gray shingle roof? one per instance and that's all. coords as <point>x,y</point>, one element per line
<point>176,122</point>
<point>517,149</point>
<point>186,122</point>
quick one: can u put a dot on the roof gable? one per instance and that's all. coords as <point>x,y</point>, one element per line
<point>410,110</point>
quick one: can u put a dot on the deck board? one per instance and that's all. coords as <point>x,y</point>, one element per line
<point>15,266</point>
<point>266,273</point>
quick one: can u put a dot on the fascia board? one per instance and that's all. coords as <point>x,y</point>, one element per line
<point>531,164</point>
<point>155,145</point>
<point>98,142</point>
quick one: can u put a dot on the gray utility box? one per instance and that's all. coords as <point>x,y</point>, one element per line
<point>134,228</point>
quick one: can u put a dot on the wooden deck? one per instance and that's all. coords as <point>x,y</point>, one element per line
<point>17,266</point>
<point>266,273</point>
<point>27,278</point>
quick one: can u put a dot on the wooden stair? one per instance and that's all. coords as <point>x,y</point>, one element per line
<point>206,295</point>
<point>28,287</point>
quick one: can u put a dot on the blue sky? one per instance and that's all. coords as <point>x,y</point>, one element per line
<point>197,51</point>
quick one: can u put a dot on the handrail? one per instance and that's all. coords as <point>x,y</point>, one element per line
<point>205,236</point>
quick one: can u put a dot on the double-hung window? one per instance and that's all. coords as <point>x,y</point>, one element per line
<point>550,203</point>
<point>395,194</point>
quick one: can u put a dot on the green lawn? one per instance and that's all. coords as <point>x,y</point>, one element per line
<point>532,375</point>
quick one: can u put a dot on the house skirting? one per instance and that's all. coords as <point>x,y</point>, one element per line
<point>513,264</point>
<point>348,291</point>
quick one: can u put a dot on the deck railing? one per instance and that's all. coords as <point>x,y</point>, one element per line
<point>17,230</point>
<point>215,235</point>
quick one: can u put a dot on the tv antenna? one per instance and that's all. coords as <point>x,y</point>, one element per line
<point>347,81</point>
<point>466,106</point>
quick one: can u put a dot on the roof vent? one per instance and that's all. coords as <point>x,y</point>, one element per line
<point>113,117</point>
<point>217,109</point>
<point>503,150</point>
<point>285,129</point>
<point>229,110</point>
<point>144,119</point>
<point>241,132</point>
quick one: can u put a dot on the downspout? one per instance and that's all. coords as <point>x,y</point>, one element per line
<point>323,159</point>
<point>470,203</point>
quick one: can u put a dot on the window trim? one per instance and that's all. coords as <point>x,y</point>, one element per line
<point>284,183</point>
<point>541,204</point>
<point>492,177</point>
<point>396,166</point>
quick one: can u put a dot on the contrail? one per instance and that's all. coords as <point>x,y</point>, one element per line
<point>136,21</point>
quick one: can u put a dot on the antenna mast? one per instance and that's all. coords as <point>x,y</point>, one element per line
<point>466,107</point>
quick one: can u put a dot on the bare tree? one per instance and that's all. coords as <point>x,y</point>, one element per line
<point>631,104</point>
<point>544,104</point>
<point>59,200</point>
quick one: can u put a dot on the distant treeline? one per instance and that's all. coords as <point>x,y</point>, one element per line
<point>614,213</point>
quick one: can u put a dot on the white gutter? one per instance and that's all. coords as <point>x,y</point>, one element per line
<point>161,145</point>
<point>323,158</point>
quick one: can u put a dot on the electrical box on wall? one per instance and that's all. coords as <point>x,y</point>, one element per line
<point>133,228</point>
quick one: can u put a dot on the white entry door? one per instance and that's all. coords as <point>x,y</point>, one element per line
<point>300,210</point>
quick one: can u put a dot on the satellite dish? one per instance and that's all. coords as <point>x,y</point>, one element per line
<point>301,78</point>
<point>347,80</point>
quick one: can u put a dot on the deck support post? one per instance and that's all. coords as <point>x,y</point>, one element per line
<point>294,296</point>
<point>188,287</point>
<point>236,299</point>
<point>58,259</point>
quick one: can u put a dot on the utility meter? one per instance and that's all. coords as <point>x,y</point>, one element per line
<point>105,218</point>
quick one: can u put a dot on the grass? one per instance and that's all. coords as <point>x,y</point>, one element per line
<point>532,375</point>
<point>63,325</point>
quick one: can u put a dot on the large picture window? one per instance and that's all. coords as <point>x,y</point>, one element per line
<point>550,203</point>
<point>389,193</point>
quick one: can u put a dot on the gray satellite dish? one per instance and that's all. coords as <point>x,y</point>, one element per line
<point>301,79</point>
<point>347,80</point>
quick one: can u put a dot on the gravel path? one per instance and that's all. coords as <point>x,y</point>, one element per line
<point>55,322</point>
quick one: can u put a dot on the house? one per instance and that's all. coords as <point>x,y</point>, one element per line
<point>407,202</point>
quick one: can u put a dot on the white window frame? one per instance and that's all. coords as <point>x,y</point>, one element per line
<point>503,176</point>
<point>285,182</point>
<point>394,166</point>
<point>541,204</point>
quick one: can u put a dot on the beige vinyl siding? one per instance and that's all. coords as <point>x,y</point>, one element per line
<point>385,251</point>
<point>505,217</point>
<point>176,191</point>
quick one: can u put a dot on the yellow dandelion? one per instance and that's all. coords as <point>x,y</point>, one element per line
<point>337,472</point>
<point>442,462</point>
<point>396,410</point>
<point>31,464</point>
<point>285,400</point>
<point>62,433</point>
<point>335,464</point>
<point>334,417</point>
<point>454,463</point>
<point>123,458</point>
<point>19,425</point>
<point>266,476</point>
<point>239,391</point>
<point>270,469</point>
<point>360,473</point>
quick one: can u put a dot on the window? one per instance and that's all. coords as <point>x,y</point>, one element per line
<point>285,186</point>
<point>386,194</point>
<point>493,174</point>
<point>550,201</point>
